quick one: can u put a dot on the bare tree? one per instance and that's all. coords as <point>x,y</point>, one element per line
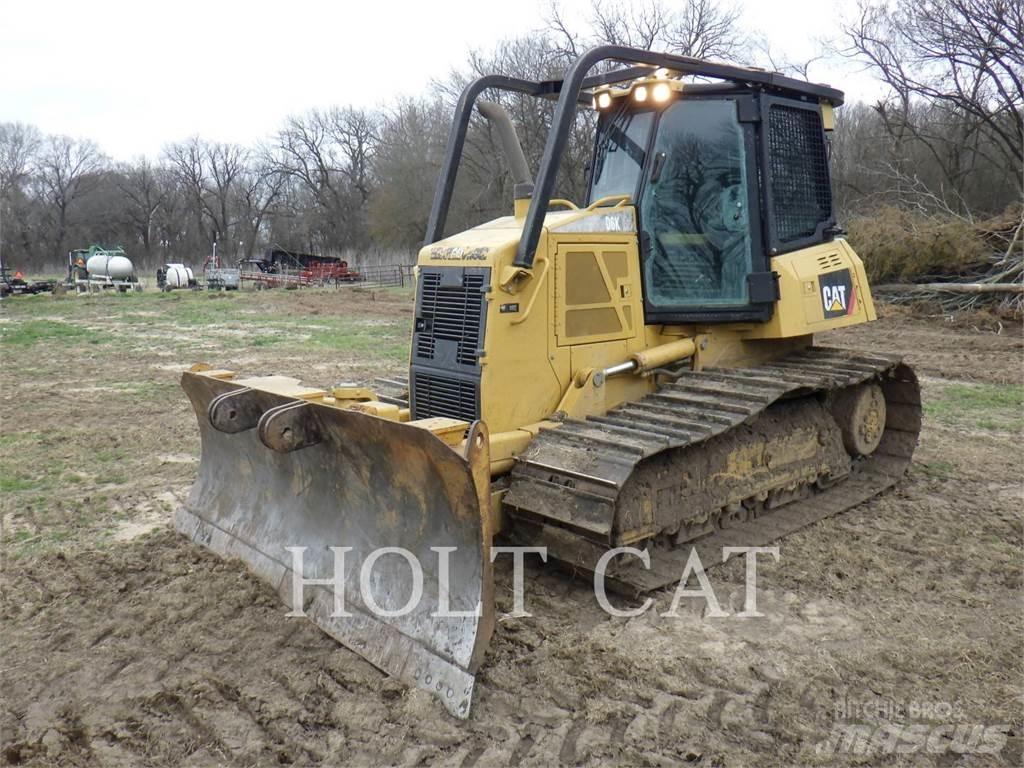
<point>186,161</point>
<point>307,155</point>
<point>144,192</point>
<point>637,25</point>
<point>356,133</point>
<point>706,30</point>
<point>955,73</point>
<point>66,170</point>
<point>765,54</point>
<point>18,146</point>
<point>259,191</point>
<point>330,154</point>
<point>225,163</point>
<point>210,176</point>
<point>412,141</point>
<point>698,28</point>
<point>947,139</point>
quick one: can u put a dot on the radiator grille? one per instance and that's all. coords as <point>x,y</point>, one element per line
<point>452,313</point>
<point>448,341</point>
<point>439,395</point>
<point>801,196</point>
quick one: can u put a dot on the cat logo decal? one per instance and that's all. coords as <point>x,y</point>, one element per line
<point>838,294</point>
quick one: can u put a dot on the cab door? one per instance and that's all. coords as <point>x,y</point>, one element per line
<point>703,258</point>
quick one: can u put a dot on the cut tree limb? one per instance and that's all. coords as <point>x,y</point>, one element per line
<point>1017,288</point>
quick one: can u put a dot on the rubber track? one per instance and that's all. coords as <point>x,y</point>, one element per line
<point>569,479</point>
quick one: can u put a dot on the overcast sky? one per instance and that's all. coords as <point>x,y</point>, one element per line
<point>136,75</point>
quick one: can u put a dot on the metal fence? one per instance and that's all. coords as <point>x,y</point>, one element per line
<point>392,275</point>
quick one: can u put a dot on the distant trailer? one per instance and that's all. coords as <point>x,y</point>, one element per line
<point>329,273</point>
<point>259,278</point>
<point>222,279</point>
<point>96,269</point>
<point>17,285</point>
<point>101,283</point>
<point>278,268</point>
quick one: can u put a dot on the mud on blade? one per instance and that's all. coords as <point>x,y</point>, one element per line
<point>277,472</point>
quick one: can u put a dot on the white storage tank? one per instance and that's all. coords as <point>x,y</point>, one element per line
<point>114,267</point>
<point>178,276</point>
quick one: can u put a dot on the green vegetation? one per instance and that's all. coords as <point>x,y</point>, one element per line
<point>9,483</point>
<point>25,334</point>
<point>388,341</point>
<point>225,319</point>
<point>99,431</point>
<point>940,469</point>
<point>996,407</point>
<point>23,542</point>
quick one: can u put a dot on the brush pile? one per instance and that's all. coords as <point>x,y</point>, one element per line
<point>948,264</point>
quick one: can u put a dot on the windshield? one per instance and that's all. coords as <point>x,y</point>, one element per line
<point>621,149</point>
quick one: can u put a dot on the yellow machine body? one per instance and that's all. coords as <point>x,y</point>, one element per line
<point>581,310</point>
<point>550,398</point>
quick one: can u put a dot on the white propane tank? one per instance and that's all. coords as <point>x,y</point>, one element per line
<point>178,276</point>
<point>114,267</point>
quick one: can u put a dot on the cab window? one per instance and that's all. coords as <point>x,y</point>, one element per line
<point>621,150</point>
<point>695,209</point>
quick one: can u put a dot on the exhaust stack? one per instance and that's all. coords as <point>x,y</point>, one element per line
<point>521,178</point>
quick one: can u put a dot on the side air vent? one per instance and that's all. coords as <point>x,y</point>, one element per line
<point>450,313</point>
<point>801,196</point>
<point>448,339</point>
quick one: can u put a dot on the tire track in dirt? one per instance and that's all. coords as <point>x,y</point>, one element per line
<point>230,680</point>
<point>154,652</point>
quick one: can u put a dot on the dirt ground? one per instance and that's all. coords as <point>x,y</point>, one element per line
<point>125,645</point>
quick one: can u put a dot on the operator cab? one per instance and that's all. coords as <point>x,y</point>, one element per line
<point>723,179</point>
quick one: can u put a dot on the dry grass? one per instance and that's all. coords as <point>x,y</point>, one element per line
<point>898,245</point>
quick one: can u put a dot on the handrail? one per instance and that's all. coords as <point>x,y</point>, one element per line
<point>621,199</point>
<point>562,201</point>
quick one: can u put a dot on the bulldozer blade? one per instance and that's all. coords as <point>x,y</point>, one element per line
<point>317,500</point>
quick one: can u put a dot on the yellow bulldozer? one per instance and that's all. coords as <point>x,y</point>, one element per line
<point>635,371</point>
